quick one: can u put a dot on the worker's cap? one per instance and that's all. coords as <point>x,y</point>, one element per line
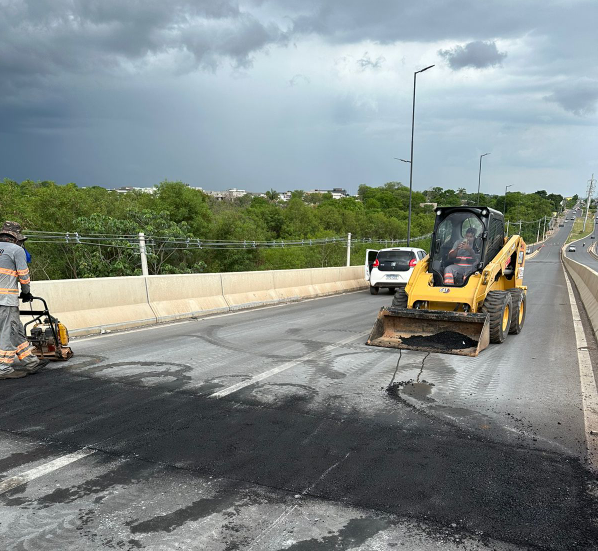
<point>13,229</point>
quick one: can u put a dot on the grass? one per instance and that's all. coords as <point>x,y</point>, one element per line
<point>577,232</point>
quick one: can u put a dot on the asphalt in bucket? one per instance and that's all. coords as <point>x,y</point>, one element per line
<point>441,341</point>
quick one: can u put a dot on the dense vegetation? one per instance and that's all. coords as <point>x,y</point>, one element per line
<point>177,212</point>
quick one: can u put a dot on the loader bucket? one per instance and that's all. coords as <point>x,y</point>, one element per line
<point>459,333</point>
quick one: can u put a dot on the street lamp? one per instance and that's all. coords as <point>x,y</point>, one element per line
<point>480,175</point>
<point>504,209</point>
<point>411,158</point>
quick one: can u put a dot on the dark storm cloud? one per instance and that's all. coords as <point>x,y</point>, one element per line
<point>41,37</point>
<point>579,97</point>
<point>389,21</point>
<point>476,54</point>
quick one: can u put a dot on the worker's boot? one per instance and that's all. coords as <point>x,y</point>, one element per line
<point>12,374</point>
<point>32,364</point>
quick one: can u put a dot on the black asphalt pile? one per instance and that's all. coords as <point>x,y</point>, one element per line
<point>441,341</point>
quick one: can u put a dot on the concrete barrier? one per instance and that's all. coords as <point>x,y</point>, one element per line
<point>248,289</point>
<point>291,284</point>
<point>92,305</point>
<point>586,281</point>
<point>88,306</point>
<point>182,296</point>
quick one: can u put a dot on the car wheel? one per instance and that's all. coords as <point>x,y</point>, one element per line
<point>498,305</point>
<point>373,290</point>
<point>391,290</point>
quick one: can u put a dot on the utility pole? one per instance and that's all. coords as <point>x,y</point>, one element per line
<point>411,158</point>
<point>538,234</point>
<point>348,249</point>
<point>591,184</point>
<point>519,227</point>
<point>143,254</point>
<point>480,175</point>
<point>544,230</point>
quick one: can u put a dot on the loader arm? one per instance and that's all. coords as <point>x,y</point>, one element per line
<point>509,262</point>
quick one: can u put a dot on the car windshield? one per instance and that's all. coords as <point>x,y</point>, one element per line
<point>394,261</point>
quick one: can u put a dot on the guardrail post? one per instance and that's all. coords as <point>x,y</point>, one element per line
<point>143,254</point>
<point>349,249</point>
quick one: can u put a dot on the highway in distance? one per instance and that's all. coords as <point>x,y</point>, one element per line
<point>270,429</point>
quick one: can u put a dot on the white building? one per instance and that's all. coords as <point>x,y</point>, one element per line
<point>337,192</point>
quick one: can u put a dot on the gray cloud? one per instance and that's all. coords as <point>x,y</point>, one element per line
<point>41,37</point>
<point>476,54</point>
<point>366,62</point>
<point>579,97</point>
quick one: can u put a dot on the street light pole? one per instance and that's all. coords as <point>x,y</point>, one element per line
<point>480,175</point>
<point>411,158</point>
<point>504,209</point>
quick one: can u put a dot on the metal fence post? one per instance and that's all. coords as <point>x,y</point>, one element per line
<point>143,254</point>
<point>349,249</point>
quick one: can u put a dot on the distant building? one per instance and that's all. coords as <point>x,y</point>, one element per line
<point>130,189</point>
<point>337,192</point>
<point>433,205</point>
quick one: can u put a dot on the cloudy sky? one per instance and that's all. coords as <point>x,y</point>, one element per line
<point>299,94</point>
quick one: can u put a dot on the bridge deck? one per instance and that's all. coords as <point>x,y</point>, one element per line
<point>269,429</point>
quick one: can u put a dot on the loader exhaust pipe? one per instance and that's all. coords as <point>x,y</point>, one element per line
<point>460,333</point>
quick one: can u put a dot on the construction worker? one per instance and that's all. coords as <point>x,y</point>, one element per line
<point>465,258</point>
<point>14,346</point>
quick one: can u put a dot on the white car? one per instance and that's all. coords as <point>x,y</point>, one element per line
<point>571,249</point>
<point>391,268</point>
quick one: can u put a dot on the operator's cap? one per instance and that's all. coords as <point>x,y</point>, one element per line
<point>13,229</point>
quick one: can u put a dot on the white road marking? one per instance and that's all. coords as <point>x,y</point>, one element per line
<point>42,470</point>
<point>589,391</point>
<point>285,366</point>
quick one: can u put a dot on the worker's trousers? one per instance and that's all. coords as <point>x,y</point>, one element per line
<point>14,346</point>
<point>455,274</point>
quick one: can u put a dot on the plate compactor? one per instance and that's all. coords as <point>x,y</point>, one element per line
<point>47,335</point>
<point>468,292</point>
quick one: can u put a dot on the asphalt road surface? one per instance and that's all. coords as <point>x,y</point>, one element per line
<point>271,430</point>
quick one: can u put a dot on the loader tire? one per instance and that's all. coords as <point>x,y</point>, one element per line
<point>498,305</point>
<point>518,308</point>
<point>373,290</point>
<point>400,298</point>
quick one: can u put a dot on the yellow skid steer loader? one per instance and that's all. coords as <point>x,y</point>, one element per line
<point>467,293</point>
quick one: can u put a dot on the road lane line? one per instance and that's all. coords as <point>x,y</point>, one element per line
<point>285,366</point>
<point>44,469</point>
<point>589,392</point>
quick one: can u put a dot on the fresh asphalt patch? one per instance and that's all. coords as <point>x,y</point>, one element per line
<point>422,473</point>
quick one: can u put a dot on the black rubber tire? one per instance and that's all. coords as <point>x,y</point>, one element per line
<point>518,305</point>
<point>400,298</point>
<point>495,304</point>
<point>373,290</point>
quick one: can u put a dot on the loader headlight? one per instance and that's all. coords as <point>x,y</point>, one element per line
<point>438,212</point>
<point>484,212</point>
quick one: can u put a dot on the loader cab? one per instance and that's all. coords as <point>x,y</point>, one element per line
<point>464,241</point>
